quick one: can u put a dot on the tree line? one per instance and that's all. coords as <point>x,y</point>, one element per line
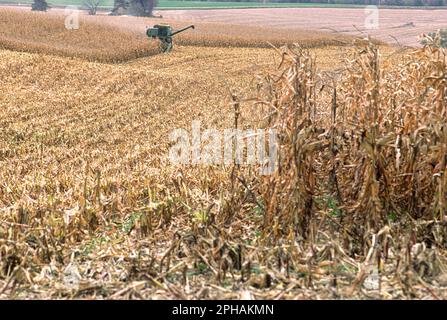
<point>145,7</point>
<point>410,3</point>
<point>133,7</point>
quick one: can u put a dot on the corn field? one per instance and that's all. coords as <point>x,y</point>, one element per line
<point>120,39</point>
<point>363,157</point>
<point>91,207</point>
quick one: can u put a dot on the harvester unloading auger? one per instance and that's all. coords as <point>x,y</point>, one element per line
<point>164,33</point>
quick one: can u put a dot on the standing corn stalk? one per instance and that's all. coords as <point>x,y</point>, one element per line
<point>382,157</point>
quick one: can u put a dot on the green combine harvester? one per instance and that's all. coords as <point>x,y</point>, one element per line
<point>164,33</point>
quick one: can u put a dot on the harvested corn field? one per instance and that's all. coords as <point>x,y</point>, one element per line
<point>92,205</point>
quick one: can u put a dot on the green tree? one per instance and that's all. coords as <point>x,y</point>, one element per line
<point>39,5</point>
<point>142,8</point>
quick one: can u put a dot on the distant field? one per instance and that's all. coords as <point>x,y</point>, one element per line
<point>396,26</point>
<point>167,4</point>
<point>186,4</point>
<point>400,26</point>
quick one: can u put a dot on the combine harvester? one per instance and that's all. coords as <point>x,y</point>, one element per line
<point>164,33</point>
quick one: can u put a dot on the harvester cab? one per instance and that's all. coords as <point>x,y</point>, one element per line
<point>164,33</point>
